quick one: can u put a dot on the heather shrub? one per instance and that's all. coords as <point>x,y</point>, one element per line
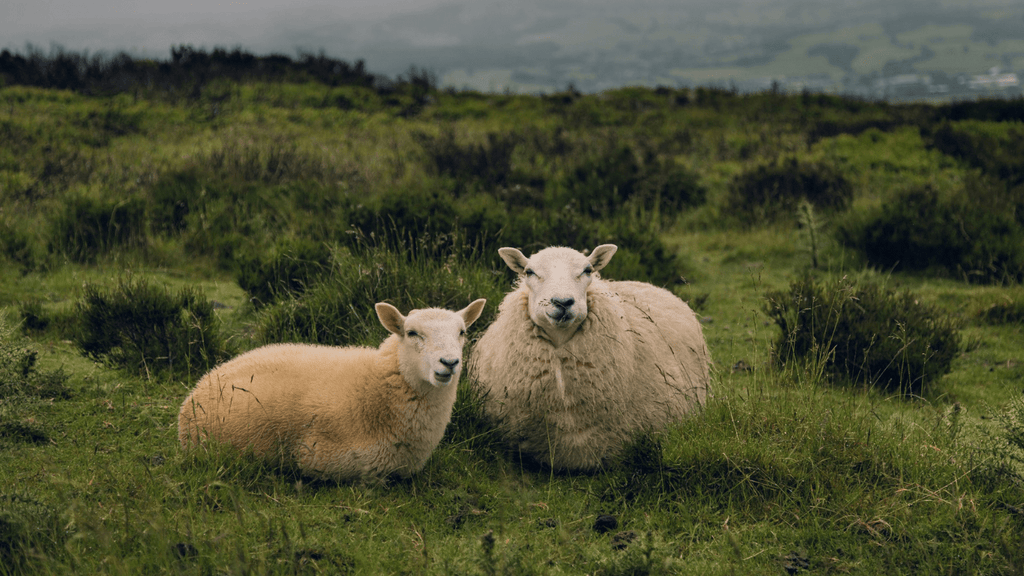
<point>289,269</point>
<point>16,247</point>
<point>339,309</point>
<point>975,232</point>
<point>482,223</point>
<point>488,163</point>
<point>148,330</point>
<point>87,228</point>
<point>863,333</point>
<point>997,149</point>
<point>773,191</point>
<point>605,184</point>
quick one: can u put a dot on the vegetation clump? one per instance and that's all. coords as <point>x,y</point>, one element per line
<point>998,151</point>
<point>20,375</point>
<point>1010,312</point>
<point>290,270</point>
<point>21,383</point>
<point>87,228</point>
<point>30,531</point>
<point>864,333</point>
<point>619,178</point>
<point>771,191</point>
<point>148,330</point>
<point>975,232</point>
<point>339,308</point>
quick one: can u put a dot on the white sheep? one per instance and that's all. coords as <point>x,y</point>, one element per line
<point>574,366</point>
<point>352,413</point>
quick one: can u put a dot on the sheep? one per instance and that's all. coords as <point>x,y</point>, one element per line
<point>342,414</point>
<point>574,366</point>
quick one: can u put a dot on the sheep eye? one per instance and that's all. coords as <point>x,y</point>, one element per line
<point>588,270</point>
<point>412,333</point>
<point>530,272</point>
<point>462,332</point>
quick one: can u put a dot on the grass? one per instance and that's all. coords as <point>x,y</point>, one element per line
<point>784,472</point>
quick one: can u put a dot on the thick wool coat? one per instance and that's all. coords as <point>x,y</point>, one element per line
<point>339,413</point>
<point>637,362</point>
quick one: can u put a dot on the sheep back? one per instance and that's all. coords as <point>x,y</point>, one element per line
<point>638,361</point>
<point>338,413</point>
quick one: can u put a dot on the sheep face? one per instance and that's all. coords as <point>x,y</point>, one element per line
<point>432,341</point>
<point>556,280</point>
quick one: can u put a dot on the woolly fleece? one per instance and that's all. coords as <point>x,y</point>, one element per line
<point>638,362</point>
<point>338,413</point>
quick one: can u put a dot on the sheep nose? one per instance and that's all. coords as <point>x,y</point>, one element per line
<point>563,302</point>
<point>451,363</point>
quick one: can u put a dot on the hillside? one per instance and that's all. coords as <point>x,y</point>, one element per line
<point>896,50</point>
<point>857,267</point>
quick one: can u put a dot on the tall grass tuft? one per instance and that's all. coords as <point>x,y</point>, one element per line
<point>32,534</point>
<point>148,330</point>
<point>339,308</point>
<point>289,270</point>
<point>865,333</point>
<point>86,228</point>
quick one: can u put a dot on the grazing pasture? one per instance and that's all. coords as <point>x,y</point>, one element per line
<point>866,407</point>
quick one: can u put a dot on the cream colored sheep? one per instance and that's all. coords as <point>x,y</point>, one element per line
<point>574,366</point>
<point>339,413</point>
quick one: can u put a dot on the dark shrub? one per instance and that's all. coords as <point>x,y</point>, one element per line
<point>975,233</point>
<point>289,270</point>
<point>642,254</point>
<point>773,191</point>
<point>432,212</point>
<point>339,310</point>
<point>603,185</point>
<point>483,223</point>
<point>864,333</point>
<point>150,331</point>
<point>173,197</point>
<point>87,228</point>
<point>489,163</point>
<point>16,247</point>
<point>990,110</point>
<point>1000,155</point>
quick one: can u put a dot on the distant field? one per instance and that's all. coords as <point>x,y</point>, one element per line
<point>758,43</point>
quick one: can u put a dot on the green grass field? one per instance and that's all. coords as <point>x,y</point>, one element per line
<point>360,195</point>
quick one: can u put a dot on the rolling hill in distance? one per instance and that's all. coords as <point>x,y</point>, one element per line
<point>934,49</point>
<point>892,49</point>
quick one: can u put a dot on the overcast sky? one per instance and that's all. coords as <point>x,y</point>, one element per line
<point>151,27</point>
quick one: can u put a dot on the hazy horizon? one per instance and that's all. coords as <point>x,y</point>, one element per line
<point>534,45</point>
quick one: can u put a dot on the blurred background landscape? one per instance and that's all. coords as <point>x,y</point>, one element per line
<point>896,50</point>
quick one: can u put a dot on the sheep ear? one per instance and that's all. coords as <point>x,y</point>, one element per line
<point>390,318</point>
<point>472,312</point>
<point>601,255</point>
<point>514,258</point>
